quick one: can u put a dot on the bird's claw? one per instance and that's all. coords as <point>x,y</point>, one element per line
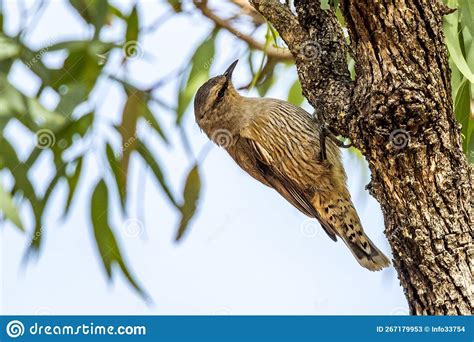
<point>325,133</point>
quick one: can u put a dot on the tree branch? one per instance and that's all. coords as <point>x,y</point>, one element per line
<point>283,20</point>
<point>247,9</point>
<point>281,54</point>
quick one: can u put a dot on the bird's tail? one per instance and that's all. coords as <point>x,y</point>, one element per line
<point>340,215</point>
<point>366,253</point>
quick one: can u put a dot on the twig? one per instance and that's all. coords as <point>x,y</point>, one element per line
<point>158,22</point>
<point>165,79</point>
<point>279,53</point>
<point>247,9</point>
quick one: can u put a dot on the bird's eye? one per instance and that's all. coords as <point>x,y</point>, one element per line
<point>221,92</point>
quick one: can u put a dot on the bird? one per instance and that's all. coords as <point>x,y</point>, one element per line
<point>283,147</point>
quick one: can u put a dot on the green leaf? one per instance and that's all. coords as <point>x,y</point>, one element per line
<point>60,173</point>
<point>9,209</point>
<point>23,186</point>
<point>39,207</point>
<point>82,45</point>
<point>155,167</point>
<point>132,47</point>
<point>128,130</point>
<point>73,180</point>
<point>33,61</point>
<point>82,66</point>
<point>462,108</point>
<point>265,77</point>
<point>14,103</point>
<point>325,5</point>
<point>114,164</point>
<point>153,122</point>
<point>66,134</point>
<point>19,170</point>
<point>260,75</point>
<point>10,49</point>
<point>200,64</point>
<point>106,243</point>
<point>351,67</point>
<point>466,9</point>
<point>470,149</point>
<point>191,194</point>
<point>450,24</point>
<point>116,12</point>
<point>275,35</point>
<point>92,11</point>
<point>295,96</point>
<point>82,8</point>
<point>132,26</point>
<point>143,110</point>
<point>456,78</point>
<point>103,234</point>
<point>99,16</point>
<point>75,95</point>
<point>266,84</point>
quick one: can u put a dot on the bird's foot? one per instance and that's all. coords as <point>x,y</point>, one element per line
<point>323,135</point>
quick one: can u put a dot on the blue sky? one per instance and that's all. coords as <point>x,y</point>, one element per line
<point>248,251</point>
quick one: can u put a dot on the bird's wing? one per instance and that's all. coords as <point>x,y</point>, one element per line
<point>282,184</point>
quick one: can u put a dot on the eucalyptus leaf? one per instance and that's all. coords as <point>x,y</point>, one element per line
<point>15,103</point>
<point>81,66</point>
<point>116,12</point>
<point>128,131</point>
<point>156,169</point>
<point>295,95</point>
<point>19,170</point>
<point>99,16</point>
<point>10,48</point>
<point>153,122</point>
<point>39,207</point>
<point>9,209</point>
<point>76,94</point>
<point>64,136</point>
<point>192,190</point>
<point>451,27</point>
<point>73,180</point>
<point>200,65</point>
<point>132,26</point>
<point>33,61</point>
<point>82,8</point>
<point>105,239</point>
<point>466,9</point>
<point>462,108</point>
<point>114,163</point>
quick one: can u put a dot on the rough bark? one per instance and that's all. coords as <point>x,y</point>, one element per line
<point>398,111</point>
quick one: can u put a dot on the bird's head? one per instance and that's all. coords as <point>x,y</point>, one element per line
<point>212,98</point>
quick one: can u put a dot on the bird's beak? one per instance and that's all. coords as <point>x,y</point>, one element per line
<point>230,70</point>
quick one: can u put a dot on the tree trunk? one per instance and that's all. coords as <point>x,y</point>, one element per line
<point>398,112</point>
